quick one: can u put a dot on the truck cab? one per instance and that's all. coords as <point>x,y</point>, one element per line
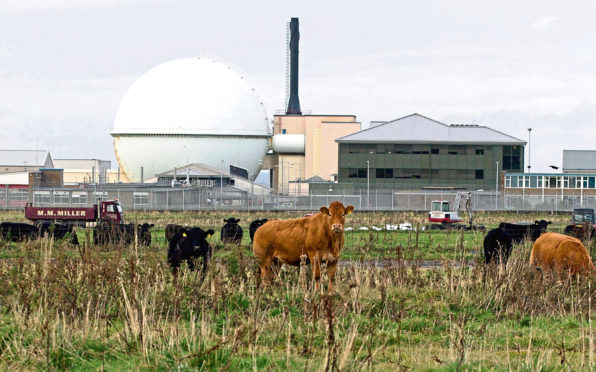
<point>440,212</point>
<point>110,210</point>
<point>582,215</point>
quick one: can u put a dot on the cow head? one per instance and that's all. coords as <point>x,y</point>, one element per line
<point>542,224</point>
<point>337,214</point>
<point>232,220</point>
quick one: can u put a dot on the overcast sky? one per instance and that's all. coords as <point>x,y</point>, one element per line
<point>509,65</point>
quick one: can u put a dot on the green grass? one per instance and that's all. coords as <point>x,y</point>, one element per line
<point>120,308</point>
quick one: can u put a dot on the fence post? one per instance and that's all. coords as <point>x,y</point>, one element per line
<point>182,199</point>
<point>391,199</point>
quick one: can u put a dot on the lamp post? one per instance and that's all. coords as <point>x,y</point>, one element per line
<point>368,183</point>
<point>497,188</point>
<point>529,150</point>
<point>221,184</point>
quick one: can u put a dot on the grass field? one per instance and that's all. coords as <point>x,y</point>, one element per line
<point>120,308</point>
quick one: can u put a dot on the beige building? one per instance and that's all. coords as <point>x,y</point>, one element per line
<point>78,171</point>
<point>309,149</point>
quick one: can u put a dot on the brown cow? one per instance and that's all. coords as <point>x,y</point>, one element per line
<point>562,253</point>
<point>320,237</point>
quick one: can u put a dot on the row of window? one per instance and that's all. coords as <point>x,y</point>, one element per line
<point>414,149</point>
<point>15,195</point>
<point>80,198</point>
<point>383,173</point>
<point>550,182</point>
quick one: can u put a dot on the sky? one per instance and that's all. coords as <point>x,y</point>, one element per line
<point>510,65</point>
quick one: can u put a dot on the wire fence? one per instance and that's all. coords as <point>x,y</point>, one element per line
<point>196,199</point>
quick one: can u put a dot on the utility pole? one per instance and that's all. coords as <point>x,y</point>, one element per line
<point>368,183</point>
<point>529,150</point>
<point>497,188</point>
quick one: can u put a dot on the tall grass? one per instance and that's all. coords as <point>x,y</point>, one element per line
<point>120,308</point>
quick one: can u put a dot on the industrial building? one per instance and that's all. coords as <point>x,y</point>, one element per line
<point>13,161</point>
<point>416,152</point>
<point>304,147</point>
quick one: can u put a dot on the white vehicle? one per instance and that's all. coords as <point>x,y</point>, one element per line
<point>440,210</point>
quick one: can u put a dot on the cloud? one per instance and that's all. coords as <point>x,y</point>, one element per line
<point>543,23</point>
<point>39,5</point>
<point>70,118</point>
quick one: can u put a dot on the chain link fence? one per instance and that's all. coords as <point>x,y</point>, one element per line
<point>196,199</point>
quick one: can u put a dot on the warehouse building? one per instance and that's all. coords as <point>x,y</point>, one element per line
<point>416,152</point>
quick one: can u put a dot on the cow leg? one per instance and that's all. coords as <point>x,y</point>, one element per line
<point>316,269</point>
<point>265,268</point>
<point>331,268</point>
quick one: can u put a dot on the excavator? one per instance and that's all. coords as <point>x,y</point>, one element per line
<point>443,217</point>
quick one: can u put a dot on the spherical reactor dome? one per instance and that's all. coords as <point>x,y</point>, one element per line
<point>193,110</point>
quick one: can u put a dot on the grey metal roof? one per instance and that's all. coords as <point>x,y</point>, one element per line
<point>23,158</point>
<point>417,128</point>
<point>574,160</point>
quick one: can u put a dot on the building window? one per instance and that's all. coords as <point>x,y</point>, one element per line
<point>512,157</point>
<point>42,197</point>
<point>79,197</point>
<point>99,195</point>
<point>507,181</point>
<point>352,173</point>
<point>384,172</point>
<point>533,181</point>
<point>539,184</point>
<point>479,174</point>
<point>140,198</point>
<point>61,197</point>
<point>434,151</point>
<point>592,182</point>
<point>362,172</point>
<point>18,195</point>
<point>479,151</point>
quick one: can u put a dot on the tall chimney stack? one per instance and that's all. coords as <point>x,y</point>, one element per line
<point>294,101</point>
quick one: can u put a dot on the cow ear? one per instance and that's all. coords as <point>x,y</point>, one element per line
<point>349,209</point>
<point>324,210</point>
<point>225,220</point>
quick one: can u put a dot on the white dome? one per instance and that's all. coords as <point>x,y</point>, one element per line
<point>193,110</point>
<point>191,96</point>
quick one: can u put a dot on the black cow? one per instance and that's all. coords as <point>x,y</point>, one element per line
<point>189,245</point>
<point>18,231</point>
<point>108,232</point>
<point>51,229</point>
<point>529,231</point>
<point>231,232</point>
<point>143,234</point>
<point>254,225</point>
<point>497,246</point>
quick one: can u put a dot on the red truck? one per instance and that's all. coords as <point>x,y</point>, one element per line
<point>77,216</point>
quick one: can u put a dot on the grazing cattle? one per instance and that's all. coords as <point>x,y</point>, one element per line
<point>14,231</point>
<point>497,246</point>
<point>520,231</point>
<point>189,245</point>
<point>231,232</point>
<point>318,238</point>
<point>55,230</point>
<point>562,253</point>
<point>254,225</point>
<point>144,234</point>
<point>108,232</point>
<point>581,232</point>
